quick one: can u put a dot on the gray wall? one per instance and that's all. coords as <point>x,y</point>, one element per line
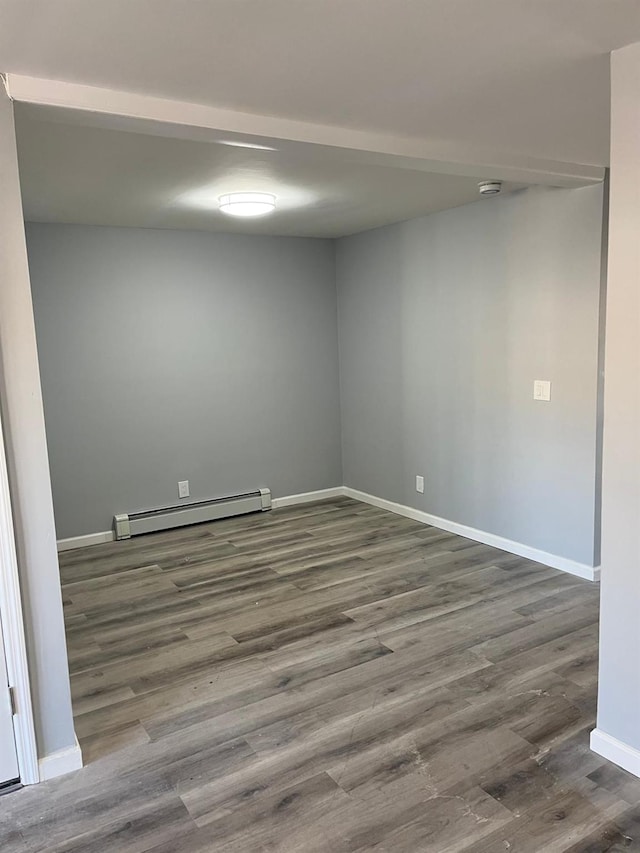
<point>171,355</point>
<point>182,355</point>
<point>444,323</point>
<point>26,446</point>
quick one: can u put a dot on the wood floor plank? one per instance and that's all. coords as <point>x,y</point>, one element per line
<point>323,678</point>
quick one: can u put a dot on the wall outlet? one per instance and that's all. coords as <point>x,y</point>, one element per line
<point>183,489</point>
<point>420,484</point>
<point>541,390</point>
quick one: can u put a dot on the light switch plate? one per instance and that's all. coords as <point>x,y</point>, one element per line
<point>542,390</point>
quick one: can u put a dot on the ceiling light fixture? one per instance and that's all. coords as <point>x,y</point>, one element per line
<point>247,204</point>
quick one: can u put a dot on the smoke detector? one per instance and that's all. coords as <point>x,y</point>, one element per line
<point>489,187</point>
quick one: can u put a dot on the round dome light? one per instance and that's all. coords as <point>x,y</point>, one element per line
<point>247,204</point>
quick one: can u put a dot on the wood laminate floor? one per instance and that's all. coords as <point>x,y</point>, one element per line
<point>327,678</point>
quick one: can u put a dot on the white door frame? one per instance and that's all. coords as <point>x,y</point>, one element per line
<point>15,648</point>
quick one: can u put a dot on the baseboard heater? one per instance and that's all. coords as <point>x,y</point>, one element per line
<point>164,518</point>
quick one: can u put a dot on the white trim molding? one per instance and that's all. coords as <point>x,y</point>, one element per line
<point>60,762</point>
<point>82,541</point>
<point>307,497</point>
<point>625,756</point>
<point>581,570</point>
<point>12,635</point>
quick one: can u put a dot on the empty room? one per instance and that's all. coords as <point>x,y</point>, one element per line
<point>320,476</point>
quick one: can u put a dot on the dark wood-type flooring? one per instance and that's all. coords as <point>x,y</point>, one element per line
<point>331,678</point>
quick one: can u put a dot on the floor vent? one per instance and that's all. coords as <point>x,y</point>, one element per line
<point>151,520</point>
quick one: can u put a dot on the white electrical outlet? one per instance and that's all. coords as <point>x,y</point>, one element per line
<point>541,390</point>
<point>420,484</point>
<point>183,489</point>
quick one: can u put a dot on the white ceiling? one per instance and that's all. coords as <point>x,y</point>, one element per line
<point>521,76</point>
<point>91,175</point>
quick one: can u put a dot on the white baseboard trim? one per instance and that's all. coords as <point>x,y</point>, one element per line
<point>581,570</point>
<point>60,762</point>
<point>625,756</point>
<point>307,497</point>
<point>87,539</point>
